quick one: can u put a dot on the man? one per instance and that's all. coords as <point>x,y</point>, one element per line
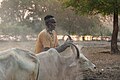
<point>47,38</point>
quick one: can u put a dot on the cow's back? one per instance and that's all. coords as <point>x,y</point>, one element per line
<point>50,65</point>
<point>18,64</point>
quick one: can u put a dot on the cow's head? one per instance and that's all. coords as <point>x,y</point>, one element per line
<point>75,63</point>
<point>85,64</point>
<point>78,59</point>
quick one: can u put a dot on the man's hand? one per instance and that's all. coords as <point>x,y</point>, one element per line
<point>62,47</point>
<point>68,43</point>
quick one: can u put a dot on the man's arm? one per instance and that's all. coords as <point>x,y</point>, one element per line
<point>46,48</point>
<point>62,47</point>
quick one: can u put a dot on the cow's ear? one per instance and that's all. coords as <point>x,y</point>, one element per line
<point>73,64</point>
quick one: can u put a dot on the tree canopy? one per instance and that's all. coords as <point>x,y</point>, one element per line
<point>30,13</point>
<point>93,7</point>
<point>105,7</point>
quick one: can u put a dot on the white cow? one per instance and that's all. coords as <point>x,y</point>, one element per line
<point>18,64</point>
<point>62,66</point>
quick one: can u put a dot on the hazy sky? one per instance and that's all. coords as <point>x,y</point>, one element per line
<point>1,1</point>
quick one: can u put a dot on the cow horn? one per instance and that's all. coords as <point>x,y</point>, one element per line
<point>69,38</point>
<point>78,55</point>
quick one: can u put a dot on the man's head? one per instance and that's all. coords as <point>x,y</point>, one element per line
<point>50,22</point>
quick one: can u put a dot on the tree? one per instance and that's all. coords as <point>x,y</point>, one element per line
<point>30,13</point>
<point>23,12</point>
<point>93,7</point>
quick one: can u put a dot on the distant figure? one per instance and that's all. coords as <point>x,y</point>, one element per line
<point>47,38</point>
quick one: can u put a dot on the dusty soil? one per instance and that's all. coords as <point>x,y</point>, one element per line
<point>108,65</point>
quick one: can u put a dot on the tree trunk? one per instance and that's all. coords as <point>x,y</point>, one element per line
<point>114,47</point>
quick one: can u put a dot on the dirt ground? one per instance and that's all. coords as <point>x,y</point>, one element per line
<point>108,65</point>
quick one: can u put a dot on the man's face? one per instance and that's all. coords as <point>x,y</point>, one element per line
<point>51,24</point>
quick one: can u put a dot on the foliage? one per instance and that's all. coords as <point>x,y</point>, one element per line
<point>105,7</point>
<point>30,14</point>
<point>23,12</point>
<point>92,7</point>
<point>15,30</point>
